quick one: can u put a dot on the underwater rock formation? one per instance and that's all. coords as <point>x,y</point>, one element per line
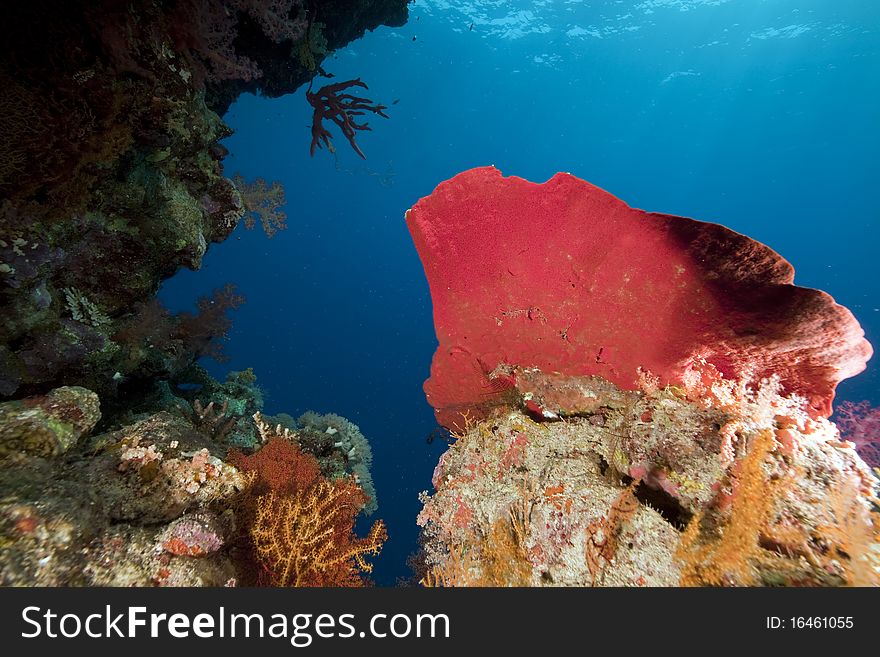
<point>115,446</point>
<point>657,487</point>
<point>637,399</point>
<point>109,512</point>
<point>163,500</point>
<point>48,425</point>
<point>111,174</point>
<point>567,278</point>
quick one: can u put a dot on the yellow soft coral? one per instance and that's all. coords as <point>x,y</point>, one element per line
<point>730,555</point>
<point>306,539</point>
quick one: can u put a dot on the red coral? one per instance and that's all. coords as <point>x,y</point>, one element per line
<point>341,109</point>
<point>860,423</point>
<point>567,278</point>
<point>279,465</point>
<point>205,331</point>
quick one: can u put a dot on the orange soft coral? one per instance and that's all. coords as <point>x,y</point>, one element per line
<point>299,526</point>
<point>306,539</point>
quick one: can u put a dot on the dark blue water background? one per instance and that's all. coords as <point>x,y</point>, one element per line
<point>761,115</point>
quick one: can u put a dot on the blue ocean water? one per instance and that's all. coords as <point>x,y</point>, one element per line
<point>761,115</point>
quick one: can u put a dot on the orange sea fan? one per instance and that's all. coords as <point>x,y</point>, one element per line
<point>306,539</point>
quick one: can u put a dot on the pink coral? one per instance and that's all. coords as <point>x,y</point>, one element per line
<point>194,535</point>
<point>860,424</point>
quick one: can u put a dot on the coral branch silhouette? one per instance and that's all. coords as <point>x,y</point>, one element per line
<point>341,108</point>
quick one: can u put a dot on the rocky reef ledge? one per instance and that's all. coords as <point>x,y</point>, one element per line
<point>656,487</point>
<point>111,170</point>
<point>116,450</point>
<point>195,494</point>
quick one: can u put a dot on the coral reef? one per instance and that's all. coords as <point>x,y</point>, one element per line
<point>118,508</point>
<point>646,490</point>
<point>301,523</point>
<point>114,443</point>
<point>637,400</point>
<point>346,437</point>
<point>111,170</point>
<point>206,31</point>
<point>164,501</point>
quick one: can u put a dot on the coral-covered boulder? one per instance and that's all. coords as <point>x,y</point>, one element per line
<point>193,535</point>
<point>155,470</point>
<point>564,277</point>
<point>654,489</point>
<point>48,425</point>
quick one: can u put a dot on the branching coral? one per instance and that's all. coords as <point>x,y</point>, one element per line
<point>300,524</point>
<point>341,108</point>
<point>306,539</point>
<point>263,202</point>
<point>348,438</point>
<point>209,420</point>
<point>206,330</point>
<point>82,309</point>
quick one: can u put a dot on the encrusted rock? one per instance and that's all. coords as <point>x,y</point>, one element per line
<point>157,469</point>
<point>148,504</point>
<point>193,535</point>
<point>707,486</point>
<point>48,425</point>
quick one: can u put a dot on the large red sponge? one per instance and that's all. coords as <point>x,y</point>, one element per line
<point>567,278</point>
